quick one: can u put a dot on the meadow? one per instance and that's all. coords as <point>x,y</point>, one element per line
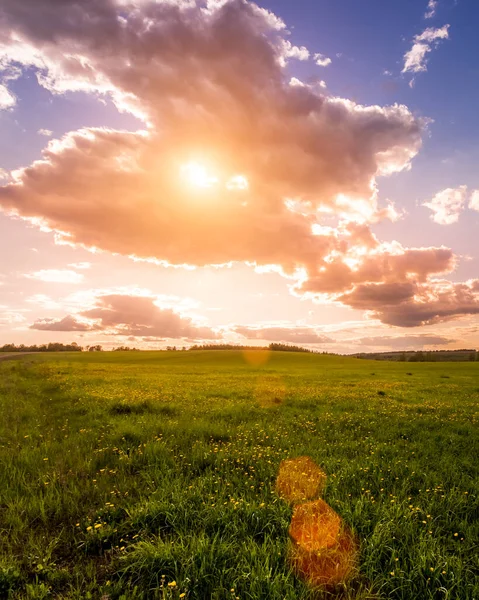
<point>138,475</point>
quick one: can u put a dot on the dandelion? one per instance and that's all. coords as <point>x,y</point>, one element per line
<point>172,584</point>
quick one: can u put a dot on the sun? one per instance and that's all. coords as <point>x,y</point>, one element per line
<point>197,175</point>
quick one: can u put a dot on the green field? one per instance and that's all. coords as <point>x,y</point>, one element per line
<point>122,473</point>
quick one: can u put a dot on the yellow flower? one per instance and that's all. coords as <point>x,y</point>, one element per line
<point>97,525</point>
<point>172,584</point>
<point>182,595</point>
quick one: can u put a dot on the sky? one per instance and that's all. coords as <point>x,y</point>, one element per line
<point>179,172</point>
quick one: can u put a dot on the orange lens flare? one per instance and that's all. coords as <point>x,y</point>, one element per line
<point>314,525</point>
<point>323,551</point>
<point>256,358</point>
<point>300,479</point>
<point>329,566</point>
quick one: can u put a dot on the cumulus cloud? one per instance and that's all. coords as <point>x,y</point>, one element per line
<point>295,335</point>
<point>56,276</point>
<point>45,132</point>
<point>136,316</point>
<point>431,9</point>
<point>68,323</point>
<point>296,52</point>
<point>413,305</point>
<point>474,200</point>
<point>447,205</point>
<point>415,60</point>
<point>7,99</point>
<point>391,265</point>
<point>211,85</point>
<point>321,60</point>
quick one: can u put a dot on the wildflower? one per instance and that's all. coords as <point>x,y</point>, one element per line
<point>172,584</point>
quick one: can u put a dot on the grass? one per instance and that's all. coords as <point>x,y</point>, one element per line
<point>125,473</point>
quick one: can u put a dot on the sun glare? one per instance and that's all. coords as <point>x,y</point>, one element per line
<point>238,182</point>
<point>196,175</point>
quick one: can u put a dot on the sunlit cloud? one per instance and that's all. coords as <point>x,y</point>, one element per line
<point>415,60</point>
<point>56,276</point>
<point>237,163</point>
<point>431,9</point>
<point>321,60</point>
<point>474,200</point>
<point>80,265</point>
<point>126,315</point>
<point>7,99</point>
<point>447,205</point>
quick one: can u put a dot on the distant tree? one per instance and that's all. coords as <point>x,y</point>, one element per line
<point>52,347</point>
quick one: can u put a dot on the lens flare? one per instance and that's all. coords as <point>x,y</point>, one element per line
<point>300,479</point>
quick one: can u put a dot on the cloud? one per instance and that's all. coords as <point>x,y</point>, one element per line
<point>212,87</point>
<point>68,323</point>
<point>80,265</point>
<point>296,52</point>
<point>139,316</point>
<point>474,200</point>
<point>392,265</point>
<point>415,60</point>
<point>321,60</point>
<point>447,205</point>
<point>56,276</point>
<point>431,9</point>
<point>45,132</point>
<point>405,342</point>
<point>7,99</point>
<point>413,305</point>
<point>11,317</point>
<point>136,316</point>
<point>295,335</point>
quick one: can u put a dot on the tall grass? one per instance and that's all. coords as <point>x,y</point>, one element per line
<point>151,475</point>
